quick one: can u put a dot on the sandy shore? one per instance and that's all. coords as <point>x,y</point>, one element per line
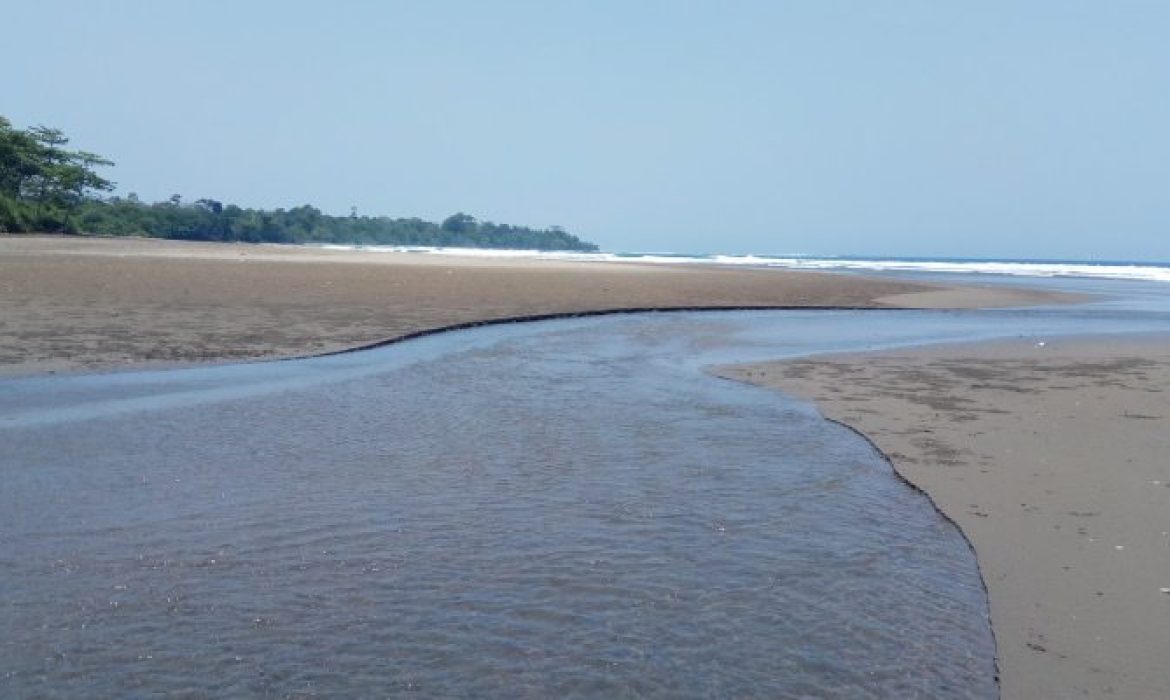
<point>78,303</point>
<point>1054,459</point>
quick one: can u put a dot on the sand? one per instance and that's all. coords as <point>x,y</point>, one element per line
<point>1054,459</point>
<point>69,303</point>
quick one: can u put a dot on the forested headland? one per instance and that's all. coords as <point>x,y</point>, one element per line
<point>47,188</point>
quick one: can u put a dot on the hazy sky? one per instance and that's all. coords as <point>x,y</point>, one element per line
<point>1013,129</point>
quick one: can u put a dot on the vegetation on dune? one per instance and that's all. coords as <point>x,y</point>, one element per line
<point>44,187</point>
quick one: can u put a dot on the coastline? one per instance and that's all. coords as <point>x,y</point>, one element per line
<point>88,304</point>
<point>1051,459</point>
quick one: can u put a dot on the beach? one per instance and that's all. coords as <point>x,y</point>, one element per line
<point>1050,458</point>
<point>71,303</point>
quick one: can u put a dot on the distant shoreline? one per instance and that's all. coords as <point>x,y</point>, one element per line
<point>974,268</point>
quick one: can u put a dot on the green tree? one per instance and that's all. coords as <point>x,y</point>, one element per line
<point>44,186</point>
<point>460,224</point>
<point>41,182</point>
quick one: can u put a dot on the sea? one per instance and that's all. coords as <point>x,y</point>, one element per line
<point>1099,269</point>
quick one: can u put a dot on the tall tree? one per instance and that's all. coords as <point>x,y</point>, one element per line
<point>41,181</point>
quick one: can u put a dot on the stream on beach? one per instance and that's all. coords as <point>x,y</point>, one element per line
<point>562,508</point>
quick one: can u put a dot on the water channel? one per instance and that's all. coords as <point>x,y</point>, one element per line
<point>561,508</point>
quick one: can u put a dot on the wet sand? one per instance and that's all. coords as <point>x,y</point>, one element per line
<point>69,303</point>
<point>1053,459</point>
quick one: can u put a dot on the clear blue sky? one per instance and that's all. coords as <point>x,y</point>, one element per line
<point>1013,129</point>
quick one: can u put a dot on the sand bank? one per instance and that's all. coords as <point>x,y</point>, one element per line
<point>69,303</point>
<point>1054,459</point>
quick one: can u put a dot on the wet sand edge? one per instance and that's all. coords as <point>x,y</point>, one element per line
<point>1050,457</point>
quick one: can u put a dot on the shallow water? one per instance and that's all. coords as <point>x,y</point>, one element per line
<point>569,508</point>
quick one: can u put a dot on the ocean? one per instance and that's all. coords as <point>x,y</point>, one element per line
<point>1103,269</point>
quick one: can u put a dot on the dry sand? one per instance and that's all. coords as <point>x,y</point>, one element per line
<point>70,303</point>
<point>1054,459</point>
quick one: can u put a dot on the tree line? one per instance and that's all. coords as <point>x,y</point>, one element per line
<point>47,188</point>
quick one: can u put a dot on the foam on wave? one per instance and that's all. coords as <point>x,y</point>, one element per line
<point>1112,270</point>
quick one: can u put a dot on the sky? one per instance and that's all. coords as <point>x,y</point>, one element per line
<point>993,129</point>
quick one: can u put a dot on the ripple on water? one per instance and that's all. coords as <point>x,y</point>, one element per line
<point>522,519</point>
